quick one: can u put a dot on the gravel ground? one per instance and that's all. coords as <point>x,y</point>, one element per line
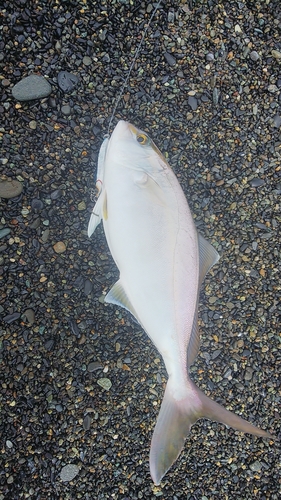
<point>81,385</point>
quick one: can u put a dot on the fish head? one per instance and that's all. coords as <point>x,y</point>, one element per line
<point>132,148</point>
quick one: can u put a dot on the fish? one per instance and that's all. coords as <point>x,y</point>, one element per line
<point>162,261</point>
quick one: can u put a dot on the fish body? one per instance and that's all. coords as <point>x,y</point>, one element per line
<point>162,262</point>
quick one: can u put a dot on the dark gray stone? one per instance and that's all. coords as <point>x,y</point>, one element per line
<point>30,88</point>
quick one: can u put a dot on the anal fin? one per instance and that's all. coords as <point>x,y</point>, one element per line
<point>208,256</point>
<point>118,296</point>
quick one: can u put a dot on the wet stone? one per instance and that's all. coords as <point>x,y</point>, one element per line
<point>88,286</point>
<point>87,60</point>
<point>55,195</point>
<point>45,235</point>
<point>170,59</point>
<point>67,81</point>
<point>94,365</point>
<point>6,82</point>
<point>33,125</point>
<point>69,472</point>
<point>30,88</point>
<point>74,327</point>
<point>59,247</point>
<point>36,223</point>
<point>4,232</point>
<point>276,54</point>
<point>81,206</point>
<point>277,121</point>
<point>87,422</point>
<point>256,182</point>
<point>10,189</point>
<point>49,344</point>
<point>254,56</point>
<point>256,466</point>
<point>10,318</point>
<point>193,103</point>
<point>66,109</point>
<point>29,316</point>
<point>249,373</point>
<point>37,204</point>
<point>79,282</point>
<point>105,383</point>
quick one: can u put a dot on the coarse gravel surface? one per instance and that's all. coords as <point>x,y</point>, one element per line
<point>81,384</point>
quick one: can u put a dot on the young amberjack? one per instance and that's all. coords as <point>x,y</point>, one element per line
<point>162,262</point>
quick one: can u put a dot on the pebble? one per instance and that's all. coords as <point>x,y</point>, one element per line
<point>31,87</point>
<point>88,287</point>
<point>45,235</point>
<point>10,188</point>
<point>59,247</point>
<point>6,82</point>
<point>256,466</point>
<point>276,54</point>
<point>29,316</point>
<point>170,59</point>
<point>74,327</point>
<point>193,103</point>
<point>105,383</point>
<point>66,110</point>
<point>254,55</point>
<point>87,60</point>
<point>87,422</point>
<point>37,204</point>
<point>67,81</point>
<point>81,205</point>
<point>93,366</point>
<point>55,195</point>
<point>10,318</point>
<point>33,125</point>
<point>257,182</point>
<point>277,121</point>
<point>4,232</point>
<point>69,472</point>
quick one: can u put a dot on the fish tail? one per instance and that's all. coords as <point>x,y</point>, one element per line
<point>175,420</point>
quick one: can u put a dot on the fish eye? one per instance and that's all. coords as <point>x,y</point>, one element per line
<point>142,138</point>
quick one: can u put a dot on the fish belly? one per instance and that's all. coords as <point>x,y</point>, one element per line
<point>153,241</point>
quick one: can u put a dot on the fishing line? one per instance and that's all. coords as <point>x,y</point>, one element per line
<point>131,67</point>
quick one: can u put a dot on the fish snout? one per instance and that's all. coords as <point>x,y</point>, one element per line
<point>122,130</point>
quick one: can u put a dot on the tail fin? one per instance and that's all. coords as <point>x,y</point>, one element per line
<point>175,420</point>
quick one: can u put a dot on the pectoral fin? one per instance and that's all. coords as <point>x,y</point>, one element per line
<point>100,208</point>
<point>96,215</point>
<point>118,296</point>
